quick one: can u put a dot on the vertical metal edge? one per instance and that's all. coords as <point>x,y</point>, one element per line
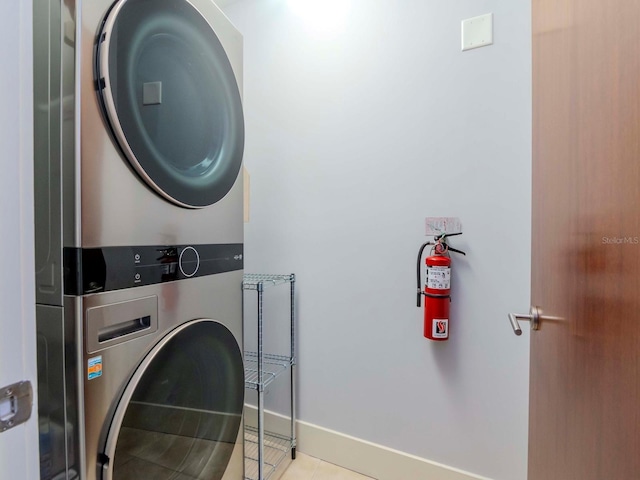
<point>71,133</point>
<point>293,367</point>
<point>70,50</point>
<point>76,322</point>
<point>260,385</point>
<point>47,163</point>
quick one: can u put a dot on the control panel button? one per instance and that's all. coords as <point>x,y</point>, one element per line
<point>189,261</point>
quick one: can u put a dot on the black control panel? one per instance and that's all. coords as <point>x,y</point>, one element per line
<point>94,270</point>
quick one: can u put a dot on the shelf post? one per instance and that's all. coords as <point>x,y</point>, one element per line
<point>260,288</point>
<point>293,368</point>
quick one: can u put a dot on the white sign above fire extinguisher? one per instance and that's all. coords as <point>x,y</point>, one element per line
<point>440,225</point>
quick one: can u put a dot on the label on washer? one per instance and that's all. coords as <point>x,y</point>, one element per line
<point>94,367</point>
<point>439,278</point>
<point>440,328</point>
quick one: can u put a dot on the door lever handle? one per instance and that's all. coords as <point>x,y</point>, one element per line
<point>533,317</point>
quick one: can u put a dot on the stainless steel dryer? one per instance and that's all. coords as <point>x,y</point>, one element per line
<point>139,137</point>
<point>139,125</point>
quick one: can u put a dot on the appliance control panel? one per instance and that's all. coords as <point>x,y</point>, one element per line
<point>95,270</point>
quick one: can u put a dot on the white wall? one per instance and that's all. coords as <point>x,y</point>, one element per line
<point>353,137</point>
<point>18,446</point>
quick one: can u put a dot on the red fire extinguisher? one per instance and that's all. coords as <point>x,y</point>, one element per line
<point>437,288</point>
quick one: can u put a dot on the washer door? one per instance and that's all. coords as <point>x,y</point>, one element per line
<point>181,413</point>
<point>171,99</point>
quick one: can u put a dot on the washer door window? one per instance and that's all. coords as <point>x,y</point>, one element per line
<point>171,98</point>
<point>181,413</point>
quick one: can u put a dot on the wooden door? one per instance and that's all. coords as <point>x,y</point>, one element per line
<point>585,370</point>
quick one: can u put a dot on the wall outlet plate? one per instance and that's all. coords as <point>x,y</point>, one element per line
<point>477,32</point>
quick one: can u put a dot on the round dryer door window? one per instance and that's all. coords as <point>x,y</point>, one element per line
<point>181,413</point>
<point>171,99</point>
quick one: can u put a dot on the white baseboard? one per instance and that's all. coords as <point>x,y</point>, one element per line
<point>356,454</point>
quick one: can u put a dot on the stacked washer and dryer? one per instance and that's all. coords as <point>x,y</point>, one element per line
<point>139,137</point>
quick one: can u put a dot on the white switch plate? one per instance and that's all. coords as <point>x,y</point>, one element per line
<point>477,32</point>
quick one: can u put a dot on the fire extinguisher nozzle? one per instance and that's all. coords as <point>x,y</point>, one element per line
<point>419,299</point>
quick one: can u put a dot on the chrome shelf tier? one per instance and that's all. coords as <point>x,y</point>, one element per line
<point>253,281</point>
<point>276,447</point>
<point>272,366</point>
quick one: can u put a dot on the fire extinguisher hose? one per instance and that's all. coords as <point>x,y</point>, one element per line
<point>418,270</point>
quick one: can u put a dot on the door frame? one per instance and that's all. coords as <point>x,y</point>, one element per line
<point>19,445</point>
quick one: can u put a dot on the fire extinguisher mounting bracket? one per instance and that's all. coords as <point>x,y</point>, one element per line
<point>441,240</point>
<point>433,295</point>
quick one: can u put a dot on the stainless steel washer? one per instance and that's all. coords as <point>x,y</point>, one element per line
<point>163,381</point>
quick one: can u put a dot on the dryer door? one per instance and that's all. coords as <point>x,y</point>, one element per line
<point>181,412</point>
<point>171,98</point>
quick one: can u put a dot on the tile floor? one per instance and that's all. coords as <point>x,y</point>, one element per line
<point>305,467</point>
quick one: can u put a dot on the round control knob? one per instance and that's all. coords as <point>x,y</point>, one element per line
<point>189,261</point>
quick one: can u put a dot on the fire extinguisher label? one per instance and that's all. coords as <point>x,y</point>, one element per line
<point>440,328</point>
<point>439,278</point>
